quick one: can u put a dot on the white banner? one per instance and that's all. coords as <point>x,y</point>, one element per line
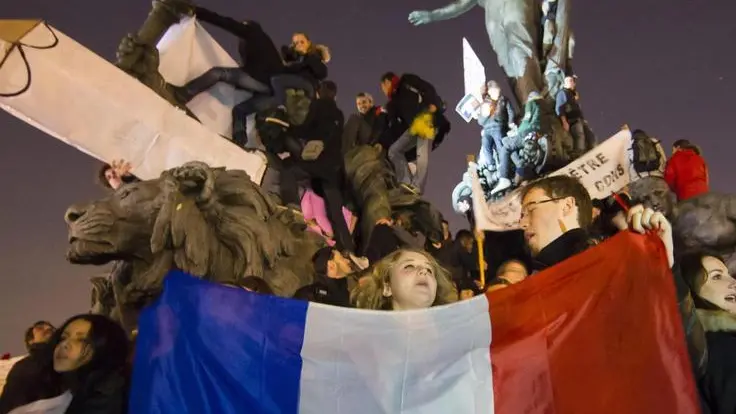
<point>67,91</point>
<point>474,74</point>
<point>186,51</point>
<point>604,170</point>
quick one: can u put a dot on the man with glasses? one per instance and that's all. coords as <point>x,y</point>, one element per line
<point>556,210</point>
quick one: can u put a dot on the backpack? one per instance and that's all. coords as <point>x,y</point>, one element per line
<point>646,155</point>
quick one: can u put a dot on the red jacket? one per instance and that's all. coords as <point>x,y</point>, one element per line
<point>686,174</point>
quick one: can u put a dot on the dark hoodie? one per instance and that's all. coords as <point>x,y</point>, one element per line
<point>29,380</point>
<point>411,96</point>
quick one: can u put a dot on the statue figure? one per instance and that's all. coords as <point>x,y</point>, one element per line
<point>512,30</point>
<point>137,54</point>
<point>653,192</point>
<point>531,63</point>
<point>208,222</point>
<point>708,222</point>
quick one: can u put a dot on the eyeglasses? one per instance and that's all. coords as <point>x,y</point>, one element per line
<point>525,210</point>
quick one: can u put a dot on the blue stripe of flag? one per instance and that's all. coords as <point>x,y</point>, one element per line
<point>209,348</point>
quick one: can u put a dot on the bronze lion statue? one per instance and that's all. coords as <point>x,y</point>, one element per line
<point>209,222</point>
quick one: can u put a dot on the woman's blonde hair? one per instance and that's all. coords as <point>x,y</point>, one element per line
<point>323,50</point>
<point>369,293</point>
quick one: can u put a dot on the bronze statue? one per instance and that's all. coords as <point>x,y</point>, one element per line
<point>208,222</point>
<point>512,31</point>
<point>708,222</point>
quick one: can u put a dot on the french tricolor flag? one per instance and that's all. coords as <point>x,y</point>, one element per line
<point>599,333</point>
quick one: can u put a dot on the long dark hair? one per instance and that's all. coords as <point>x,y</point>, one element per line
<point>694,274</point>
<point>109,346</point>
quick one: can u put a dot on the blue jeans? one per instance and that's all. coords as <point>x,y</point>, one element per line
<point>232,76</point>
<point>492,138</point>
<point>397,156</point>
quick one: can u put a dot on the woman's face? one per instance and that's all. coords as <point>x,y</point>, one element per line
<point>719,287</point>
<point>301,43</point>
<point>412,283</point>
<point>73,350</point>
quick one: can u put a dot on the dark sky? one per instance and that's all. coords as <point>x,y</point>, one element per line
<point>664,66</point>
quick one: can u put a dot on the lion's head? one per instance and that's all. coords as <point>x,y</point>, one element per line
<point>209,222</point>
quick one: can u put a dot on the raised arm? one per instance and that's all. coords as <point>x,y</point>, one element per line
<point>451,11</point>
<point>228,24</point>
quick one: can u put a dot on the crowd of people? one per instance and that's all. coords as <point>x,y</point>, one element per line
<point>85,363</point>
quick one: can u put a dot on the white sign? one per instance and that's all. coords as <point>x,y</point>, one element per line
<point>86,102</point>
<point>474,74</point>
<point>468,107</point>
<point>604,170</point>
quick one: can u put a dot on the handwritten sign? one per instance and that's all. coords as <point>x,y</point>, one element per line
<point>603,170</point>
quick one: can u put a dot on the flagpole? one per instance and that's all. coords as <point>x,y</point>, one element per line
<point>479,239</point>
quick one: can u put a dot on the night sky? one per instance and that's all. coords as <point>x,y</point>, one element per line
<point>663,66</point>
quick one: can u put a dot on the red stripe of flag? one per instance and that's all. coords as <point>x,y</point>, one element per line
<point>599,333</point>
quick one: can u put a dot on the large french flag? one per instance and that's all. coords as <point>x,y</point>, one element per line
<point>598,333</point>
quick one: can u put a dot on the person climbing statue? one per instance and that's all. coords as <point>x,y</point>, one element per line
<point>414,102</point>
<point>496,118</point>
<point>260,59</point>
<point>568,110</point>
<point>530,127</point>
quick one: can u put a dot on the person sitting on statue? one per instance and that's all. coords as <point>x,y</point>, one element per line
<point>260,59</point>
<point>530,127</point>
<point>413,102</point>
<point>496,117</point>
<point>321,161</point>
<point>571,116</point>
<point>366,126</point>
<point>306,66</point>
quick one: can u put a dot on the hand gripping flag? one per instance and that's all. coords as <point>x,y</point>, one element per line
<point>599,333</point>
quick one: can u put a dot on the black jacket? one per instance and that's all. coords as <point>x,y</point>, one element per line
<point>309,66</point>
<point>102,393</point>
<point>412,96</point>
<point>29,380</point>
<point>569,244</point>
<point>324,123</point>
<point>503,115</point>
<point>258,54</point>
<point>331,291</point>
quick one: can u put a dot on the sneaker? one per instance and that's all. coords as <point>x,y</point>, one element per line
<point>503,184</point>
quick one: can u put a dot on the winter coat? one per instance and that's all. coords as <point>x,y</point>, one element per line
<point>412,96</point>
<point>311,66</point>
<point>501,117</point>
<point>28,381</point>
<point>324,123</point>
<point>687,174</point>
<point>532,121</point>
